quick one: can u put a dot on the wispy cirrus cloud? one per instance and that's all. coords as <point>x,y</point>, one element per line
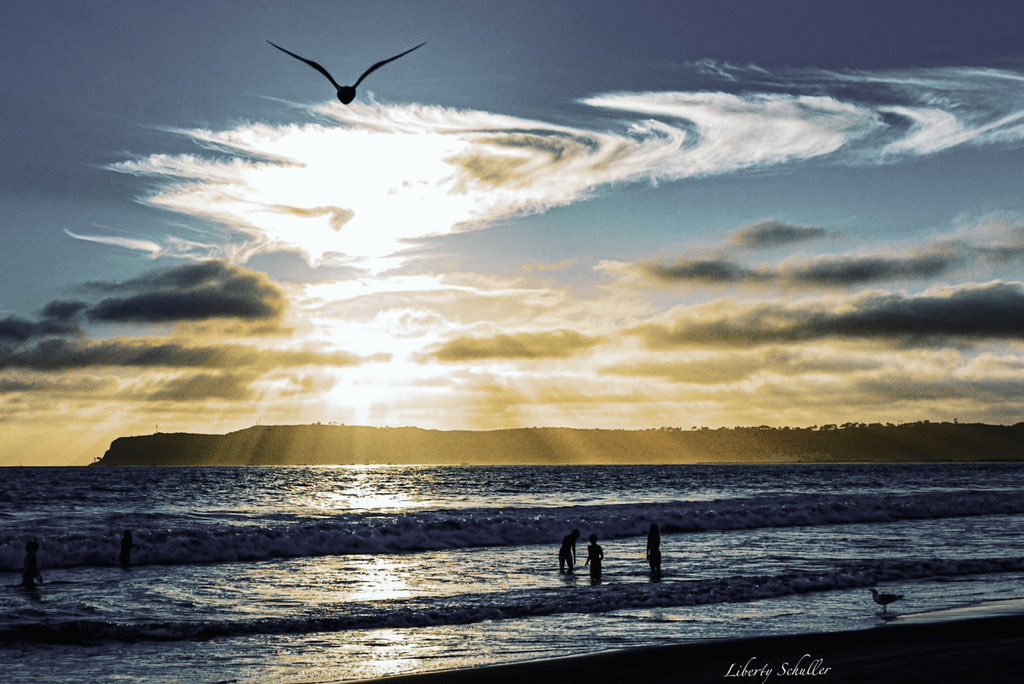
<point>171,246</point>
<point>949,107</point>
<point>134,244</point>
<point>299,187</point>
<point>929,109</point>
<point>728,132</point>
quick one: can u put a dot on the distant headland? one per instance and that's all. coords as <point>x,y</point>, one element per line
<point>346,445</point>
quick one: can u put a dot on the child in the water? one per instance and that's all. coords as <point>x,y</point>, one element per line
<point>595,554</point>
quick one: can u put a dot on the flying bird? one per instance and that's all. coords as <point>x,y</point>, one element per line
<point>346,93</point>
<point>885,599</point>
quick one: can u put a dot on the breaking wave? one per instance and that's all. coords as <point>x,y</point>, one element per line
<point>216,542</point>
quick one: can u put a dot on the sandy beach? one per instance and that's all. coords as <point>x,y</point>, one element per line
<point>983,643</point>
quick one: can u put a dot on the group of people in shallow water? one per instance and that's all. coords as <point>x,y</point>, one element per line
<point>595,554</point>
<point>30,574</point>
<point>566,556</point>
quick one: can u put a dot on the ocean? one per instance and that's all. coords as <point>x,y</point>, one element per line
<point>317,574</point>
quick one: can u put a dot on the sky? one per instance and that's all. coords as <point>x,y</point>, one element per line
<point>581,214</point>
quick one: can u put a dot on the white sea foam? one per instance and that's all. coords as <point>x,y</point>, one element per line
<point>507,605</point>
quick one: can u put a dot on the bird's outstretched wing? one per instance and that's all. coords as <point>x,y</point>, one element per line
<point>378,65</point>
<point>315,65</point>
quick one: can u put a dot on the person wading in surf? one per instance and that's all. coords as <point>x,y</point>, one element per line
<point>30,573</point>
<point>567,553</point>
<point>654,550</point>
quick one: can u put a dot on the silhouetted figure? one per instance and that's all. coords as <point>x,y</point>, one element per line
<point>567,552</point>
<point>126,549</point>
<point>654,550</point>
<point>345,93</point>
<point>595,554</point>
<point>30,573</point>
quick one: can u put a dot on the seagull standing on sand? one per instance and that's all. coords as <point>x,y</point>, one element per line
<point>885,599</point>
<point>346,93</point>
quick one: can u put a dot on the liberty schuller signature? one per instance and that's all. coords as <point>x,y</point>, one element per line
<point>806,666</point>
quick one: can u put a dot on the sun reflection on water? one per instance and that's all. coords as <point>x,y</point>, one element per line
<point>381,578</point>
<point>390,652</point>
<point>365,488</point>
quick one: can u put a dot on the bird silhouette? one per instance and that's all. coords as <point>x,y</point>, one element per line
<point>345,93</point>
<point>885,599</point>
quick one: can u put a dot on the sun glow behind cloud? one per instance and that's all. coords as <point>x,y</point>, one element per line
<point>361,189</point>
<point>361,186</point>
<point>661,341</point>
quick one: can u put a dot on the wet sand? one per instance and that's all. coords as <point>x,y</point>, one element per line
<point>976,644</point>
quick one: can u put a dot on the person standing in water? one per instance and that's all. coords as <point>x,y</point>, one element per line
<point>654,550</point>
<point>30,573</point>
<point>126,549</point>
<point>595,554</point>
<point>567,553</point>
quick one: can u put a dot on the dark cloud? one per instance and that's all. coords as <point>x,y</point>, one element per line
<point>840,271</point>
<point>775,234</point>
<point>993,245</point>
<point>63,354</point>
<point>713,371</point>
<point>64,310</point>
<point>994,310</point>
<point>554,345</point>
<point>733,366</point>
<point>61,385</point>
<point>822,271</point>
<point>1001,254</point>
<point>1010,246</point>
<point>211,289</point>
<point>58,318</point>
<point>16,385</point>
<point>194,292</point>
<point>911,388</point>
<point>229,386</point>
<point>708,271</point>
<point>19,329</point>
